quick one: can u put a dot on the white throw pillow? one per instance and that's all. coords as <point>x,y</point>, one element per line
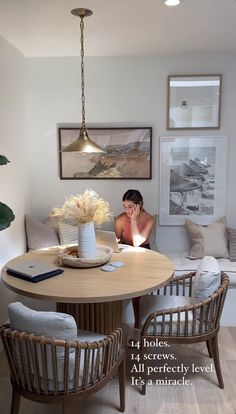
<point>68,234</point>
<point>39,235</point>
<point>207,279</point>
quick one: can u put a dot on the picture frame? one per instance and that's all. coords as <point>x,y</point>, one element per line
<point>128,154</point>
<point>194,101</point>
<point>192,179</point>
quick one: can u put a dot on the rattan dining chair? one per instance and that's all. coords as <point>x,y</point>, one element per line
<point>50,370</point>
<point>183,324</point>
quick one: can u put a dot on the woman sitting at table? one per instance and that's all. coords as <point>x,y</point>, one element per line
<point>134,227</point>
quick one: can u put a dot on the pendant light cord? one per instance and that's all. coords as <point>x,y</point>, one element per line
<point>82,70</point>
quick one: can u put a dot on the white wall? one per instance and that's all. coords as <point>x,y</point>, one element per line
<point>13,176</point>
<point>122,91</point>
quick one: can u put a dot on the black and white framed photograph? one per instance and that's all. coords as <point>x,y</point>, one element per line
<point>192,179</point>
<point>127,154</point>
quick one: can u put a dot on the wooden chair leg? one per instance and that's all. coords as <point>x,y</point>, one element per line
<point>215,354</point>
<point>121,376</point>
<point>143,388</point>
<point>66,408</point>
<point>135,303</point>
<point>208,343</point>
<point>15,401</point>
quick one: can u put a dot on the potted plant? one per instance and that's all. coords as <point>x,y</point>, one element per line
<point>6,214</point>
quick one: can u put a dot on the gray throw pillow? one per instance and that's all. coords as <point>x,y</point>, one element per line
<point>39,235</point>
<point>207,279</point>
<point>51,324</point>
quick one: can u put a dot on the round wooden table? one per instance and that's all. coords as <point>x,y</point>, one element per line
<point>92,296</point>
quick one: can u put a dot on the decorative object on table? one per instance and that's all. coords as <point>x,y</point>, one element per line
<point>194,101</point>
<point>108,268</point>
<point>87,240</point>
<point>117,264</point>
<point>6,213</point>
<point>83,143</point>
<point>69,257</point>
<point>192,179</point>
<point>112,266</point>
<point>128,154</point>
<point>84,210</point>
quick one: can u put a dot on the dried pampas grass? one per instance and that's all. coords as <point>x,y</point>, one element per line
<point>83,208</point>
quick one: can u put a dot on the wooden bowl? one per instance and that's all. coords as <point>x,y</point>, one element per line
<point>69,257</point>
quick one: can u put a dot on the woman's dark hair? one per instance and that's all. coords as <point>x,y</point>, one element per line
<point>133,195</point>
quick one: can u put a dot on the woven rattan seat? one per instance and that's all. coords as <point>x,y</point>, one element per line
<point>188,323</point>
<point>91,363</point>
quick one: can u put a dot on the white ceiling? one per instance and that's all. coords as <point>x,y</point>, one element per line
<point>118,27</point>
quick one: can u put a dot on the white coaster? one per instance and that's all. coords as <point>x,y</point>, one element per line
<point>108,268</point>
<point>117,264</point>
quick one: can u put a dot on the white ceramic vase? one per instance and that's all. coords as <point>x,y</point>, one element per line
<point>86,240</point>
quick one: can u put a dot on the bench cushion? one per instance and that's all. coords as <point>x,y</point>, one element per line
<point>184,265</point>
<point>152,303</point>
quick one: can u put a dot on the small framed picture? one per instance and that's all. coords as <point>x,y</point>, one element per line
<point>194,101</point>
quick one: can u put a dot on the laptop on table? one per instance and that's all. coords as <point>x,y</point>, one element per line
<point>107,238</point>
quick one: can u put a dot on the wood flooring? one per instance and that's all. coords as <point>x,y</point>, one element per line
<point>202,397</point>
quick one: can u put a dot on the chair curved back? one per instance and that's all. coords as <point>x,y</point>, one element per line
<point>40,370</point>
<point>190,323</point>
<point>196,319</point>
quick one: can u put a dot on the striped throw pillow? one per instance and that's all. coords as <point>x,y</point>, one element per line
<point>232,244</point>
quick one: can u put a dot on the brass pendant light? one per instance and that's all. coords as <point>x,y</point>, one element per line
<point>83,143</point>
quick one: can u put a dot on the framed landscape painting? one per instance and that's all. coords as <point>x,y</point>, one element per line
<point>127,154</point>
<point>192,179</point>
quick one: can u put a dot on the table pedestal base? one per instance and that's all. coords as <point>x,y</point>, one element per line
<point>96,317</point>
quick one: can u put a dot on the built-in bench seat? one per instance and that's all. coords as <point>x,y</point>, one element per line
<point>42,235</point>
<point>183,265</point>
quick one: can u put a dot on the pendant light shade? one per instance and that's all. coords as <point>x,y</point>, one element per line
<point>83,143</point>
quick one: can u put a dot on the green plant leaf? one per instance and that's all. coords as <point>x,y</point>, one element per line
<point>6,216</point>
<point>3,160</point>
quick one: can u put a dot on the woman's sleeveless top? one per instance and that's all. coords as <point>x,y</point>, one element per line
<point>126,237</point>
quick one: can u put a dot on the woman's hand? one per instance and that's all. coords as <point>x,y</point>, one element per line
<point>136,212</point>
